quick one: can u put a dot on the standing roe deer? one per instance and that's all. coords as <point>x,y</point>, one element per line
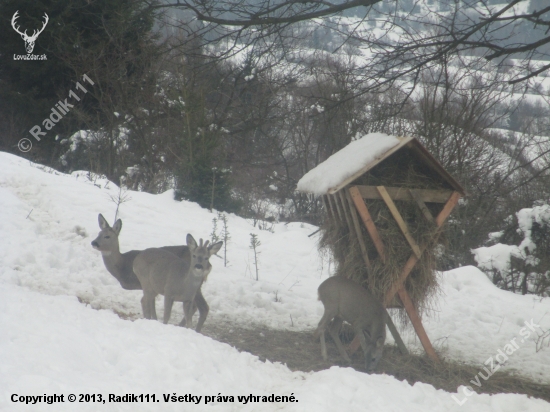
<point>162,272</point>
<point>345,300</point>
<point>120,265</point>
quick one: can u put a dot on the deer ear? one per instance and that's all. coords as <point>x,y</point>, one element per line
<point>102,222</point>
<point>117,226</point>
<point>213,249</point>
<point>191,242</point>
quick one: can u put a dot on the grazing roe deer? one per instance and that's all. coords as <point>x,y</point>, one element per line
<point>120,265</point>
<point>345,300</point>
<point>162,272</point>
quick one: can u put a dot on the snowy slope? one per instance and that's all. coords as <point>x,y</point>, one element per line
<point>50,250</point>
<point>51,343</point>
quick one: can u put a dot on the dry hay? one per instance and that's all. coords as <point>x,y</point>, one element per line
<point>405,171</point>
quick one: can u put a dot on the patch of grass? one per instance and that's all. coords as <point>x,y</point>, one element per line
<point>449,375</point>
<point>299,351</point>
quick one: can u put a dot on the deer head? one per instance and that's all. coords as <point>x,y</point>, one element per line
<point>29,40</point>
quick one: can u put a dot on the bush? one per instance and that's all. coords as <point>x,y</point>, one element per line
<point>524,268</point>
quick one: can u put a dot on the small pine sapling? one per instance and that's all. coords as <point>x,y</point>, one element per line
<point>254,244</point>
<point>225,236</point>
<point>120,198</point>
<point>214,235</point>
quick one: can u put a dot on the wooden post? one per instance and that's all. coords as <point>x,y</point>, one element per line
<point>325,204</point>
<point>332,212</point>
<point>396,336</point>
<point>340,199</point>
<point>354,345</point>
<point>425,211</point>
<point>447,209</point>
<point>399,219</point>
<point>353,226</point>
<point>367,220</point>
<point>417,323</point>
<point>358,231</point>
<point>338,208</point>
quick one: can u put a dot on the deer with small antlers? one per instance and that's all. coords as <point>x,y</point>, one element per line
<point>29,40</point>
<point>162,272</point>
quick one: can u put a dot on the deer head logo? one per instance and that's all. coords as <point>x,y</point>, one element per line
<point>29,40</point>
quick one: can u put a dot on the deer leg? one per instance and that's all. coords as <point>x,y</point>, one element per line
<point>154,308</point>
<point>150,304</point>
<point>321,331</point>
<point>322,324</point>
<point>144,307</point>
<point>183,322</point>
<point>366,347</point>
<point>187,314</point>
<point>323,346</point>
<point>336,325</point>
<point>168,302</point>
<point>193,310</point>
<point>339,345</point>
<point>201,304</point>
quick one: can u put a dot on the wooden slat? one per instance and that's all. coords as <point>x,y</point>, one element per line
<point>417,323</point>
<point>343,202</point>
<point>332,208</point>
<point>447,209</point>
<point>326,206</point>
<point>425,211</point>
<point>400,193</point>
<point>439,220</point>
<point>396,335</point>
<point>413,260</point>
<point>357,228</point>
<point>355,343</point>
<point>399,219</point>
<point>338,208</point>
<point>367,221</point>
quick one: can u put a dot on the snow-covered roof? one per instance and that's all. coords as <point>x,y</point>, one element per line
<point>348,162</point>
<point>358,157</point>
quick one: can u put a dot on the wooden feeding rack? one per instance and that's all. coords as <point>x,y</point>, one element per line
<point>345,199</point>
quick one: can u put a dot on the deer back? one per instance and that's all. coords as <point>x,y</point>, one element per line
<point>160,271</point>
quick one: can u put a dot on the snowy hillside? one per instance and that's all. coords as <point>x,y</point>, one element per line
<point>54,340</point>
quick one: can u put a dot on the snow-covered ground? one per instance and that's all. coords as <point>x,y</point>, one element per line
<point>50,342</point>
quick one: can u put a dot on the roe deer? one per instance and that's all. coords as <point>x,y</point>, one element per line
<point>120,265</point>
<point>345,300</point>
<point>162,272</point>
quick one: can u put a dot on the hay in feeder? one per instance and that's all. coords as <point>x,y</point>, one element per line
<point>404,171</point>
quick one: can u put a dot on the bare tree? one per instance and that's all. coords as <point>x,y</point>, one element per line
<point>409,35</point>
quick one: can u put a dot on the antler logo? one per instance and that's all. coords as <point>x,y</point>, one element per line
<point>29,40</point>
